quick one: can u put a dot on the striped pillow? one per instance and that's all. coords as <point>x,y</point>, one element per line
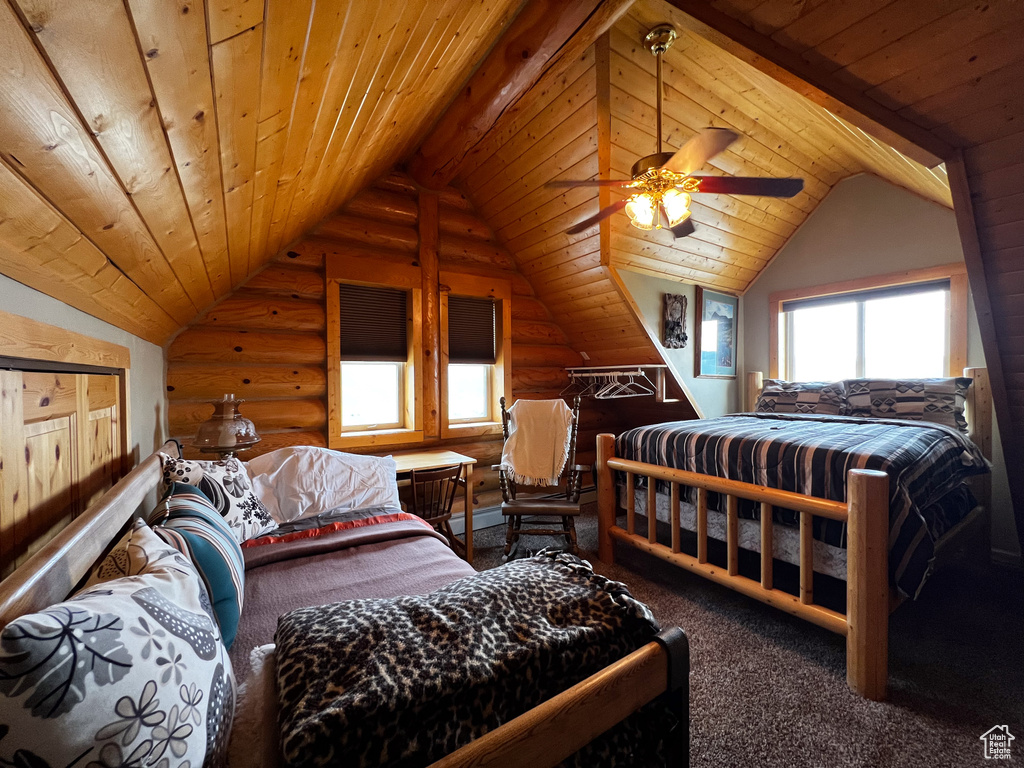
<point>187,521</point>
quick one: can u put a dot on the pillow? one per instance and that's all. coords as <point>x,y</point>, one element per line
<point>127,672</point>
<point>255,734</point>
<point>187,521</point>
<point>826,398</point>
<point>940,401</point>
<point>303,481</point>
<point>226,484</point>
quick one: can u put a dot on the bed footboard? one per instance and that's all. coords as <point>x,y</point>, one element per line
<point>552,731</point>
<point>866,513</point>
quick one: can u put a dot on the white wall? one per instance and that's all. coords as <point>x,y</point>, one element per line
<point>714,397</point>
<point>147,377</point>
<point>864,227</point>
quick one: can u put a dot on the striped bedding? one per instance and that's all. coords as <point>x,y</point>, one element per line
<point>811,454</point>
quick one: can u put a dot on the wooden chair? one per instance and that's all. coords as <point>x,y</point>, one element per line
<point>433,494</point>
<point>548,503</point>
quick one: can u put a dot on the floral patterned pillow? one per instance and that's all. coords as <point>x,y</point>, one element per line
<point>126,672</point>
<point>228,487</point>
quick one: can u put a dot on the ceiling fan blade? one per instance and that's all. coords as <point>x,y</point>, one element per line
<point>697,151</point>
<point>589,183</point>
<point>750,185</point>
<point>603,214</point>
<point>683,228</point>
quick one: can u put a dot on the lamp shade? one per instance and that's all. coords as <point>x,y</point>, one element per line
<point>227,430</point>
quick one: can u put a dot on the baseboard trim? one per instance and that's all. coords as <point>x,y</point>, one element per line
<point>486,517</point>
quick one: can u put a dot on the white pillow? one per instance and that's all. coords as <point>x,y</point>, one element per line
<point>303,481</point>
<point>255,735</point>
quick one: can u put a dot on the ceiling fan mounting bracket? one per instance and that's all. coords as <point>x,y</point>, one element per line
<point>660,39</point>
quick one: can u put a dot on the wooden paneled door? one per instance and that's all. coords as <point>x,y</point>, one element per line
<point>61,447</point>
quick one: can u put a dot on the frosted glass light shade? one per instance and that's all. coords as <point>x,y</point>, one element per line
<point>640,209</point>
<point>677,206</point>
<point>227,430</point>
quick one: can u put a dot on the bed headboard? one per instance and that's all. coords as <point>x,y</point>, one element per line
<point>51,573</point>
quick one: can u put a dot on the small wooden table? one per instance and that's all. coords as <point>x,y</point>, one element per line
<point>420,460</point>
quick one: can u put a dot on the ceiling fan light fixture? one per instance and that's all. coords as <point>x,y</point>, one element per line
<point>641,209</point>
<point>677,206</point>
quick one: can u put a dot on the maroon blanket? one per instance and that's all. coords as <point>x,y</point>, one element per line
<point>385,558</point>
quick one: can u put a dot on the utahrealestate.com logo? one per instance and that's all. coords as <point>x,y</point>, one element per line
<point>997,742</point>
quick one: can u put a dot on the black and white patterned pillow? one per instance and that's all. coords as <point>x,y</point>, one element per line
<point>940,401</point>
<point>127,672</point>
<point>826,398</point>
<point>228,487</point>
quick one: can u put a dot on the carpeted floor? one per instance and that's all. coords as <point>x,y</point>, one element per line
<point>770,690</point>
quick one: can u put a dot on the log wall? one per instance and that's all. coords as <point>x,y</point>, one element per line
<point>266,342</point>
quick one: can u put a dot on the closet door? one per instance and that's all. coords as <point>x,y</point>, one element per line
<point>60,449</point>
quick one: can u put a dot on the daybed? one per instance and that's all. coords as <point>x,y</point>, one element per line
<point>743,464</point>
<point>399,557</point>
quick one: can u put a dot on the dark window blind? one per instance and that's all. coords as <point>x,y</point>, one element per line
<point>868,295</point>
<point>374,323</point>
<point>471,330</point>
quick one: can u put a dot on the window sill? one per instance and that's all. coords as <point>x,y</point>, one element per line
<point>381,437</point>
<point>471,429</point>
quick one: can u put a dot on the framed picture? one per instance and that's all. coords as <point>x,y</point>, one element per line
<point>715,350</point>
<point>673,334</point>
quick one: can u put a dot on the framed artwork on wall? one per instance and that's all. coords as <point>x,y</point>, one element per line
<point>716,325</point>
<point>673,334</point>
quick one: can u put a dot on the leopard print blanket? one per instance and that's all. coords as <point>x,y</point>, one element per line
<point>405,681</point>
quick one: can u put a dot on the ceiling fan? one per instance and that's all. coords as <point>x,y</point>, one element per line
<point>662,183</point>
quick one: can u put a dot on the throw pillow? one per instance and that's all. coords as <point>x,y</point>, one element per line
<point>187,521</point>
<point>126,672</point>
<point>826,398</point>
<point>226,484</point>
<point>940,401</point>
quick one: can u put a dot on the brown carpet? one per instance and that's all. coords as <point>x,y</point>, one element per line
<point>770,690</point>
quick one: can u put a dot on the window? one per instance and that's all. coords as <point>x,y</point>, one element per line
<point>373,347</point>
<point>471,357</point>
<point>374,350</point>
<point>873,328</point>
<point>475,341</point>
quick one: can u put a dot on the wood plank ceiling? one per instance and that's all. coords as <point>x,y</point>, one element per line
<point>599,116</point>
<point>154,153</point>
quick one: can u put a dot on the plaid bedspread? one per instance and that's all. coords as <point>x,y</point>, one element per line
<point>809,454</point>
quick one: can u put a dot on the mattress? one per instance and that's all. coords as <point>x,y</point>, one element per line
<point>927,465</point>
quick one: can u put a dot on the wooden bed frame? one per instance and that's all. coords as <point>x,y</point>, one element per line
<point>543,736</point>
<point>866,513</point>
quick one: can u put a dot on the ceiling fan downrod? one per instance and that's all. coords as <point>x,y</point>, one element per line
<point>659,40</point>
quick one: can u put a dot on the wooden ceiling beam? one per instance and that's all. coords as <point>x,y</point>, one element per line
<point>791,70</point>
<point>546,34</point>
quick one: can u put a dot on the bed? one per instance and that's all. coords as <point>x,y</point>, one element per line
<point>858,503</point>
<point>359,561</point>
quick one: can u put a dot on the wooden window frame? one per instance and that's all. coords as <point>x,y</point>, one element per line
<point>363,271</point>
<point>501,372</point>
<point>956,273</point>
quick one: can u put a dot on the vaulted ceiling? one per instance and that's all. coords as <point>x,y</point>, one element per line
<point>154,153</point>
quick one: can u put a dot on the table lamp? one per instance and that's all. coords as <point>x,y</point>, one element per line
<point>227,431</point>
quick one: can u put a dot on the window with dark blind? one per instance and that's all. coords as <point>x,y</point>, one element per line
<point>374,323</point>
<point>471,330</point>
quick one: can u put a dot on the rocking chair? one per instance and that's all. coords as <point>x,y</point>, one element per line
<point>537,513</point>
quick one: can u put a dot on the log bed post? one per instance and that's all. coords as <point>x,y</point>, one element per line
<point>605,498</point>
<point>867,583</point>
